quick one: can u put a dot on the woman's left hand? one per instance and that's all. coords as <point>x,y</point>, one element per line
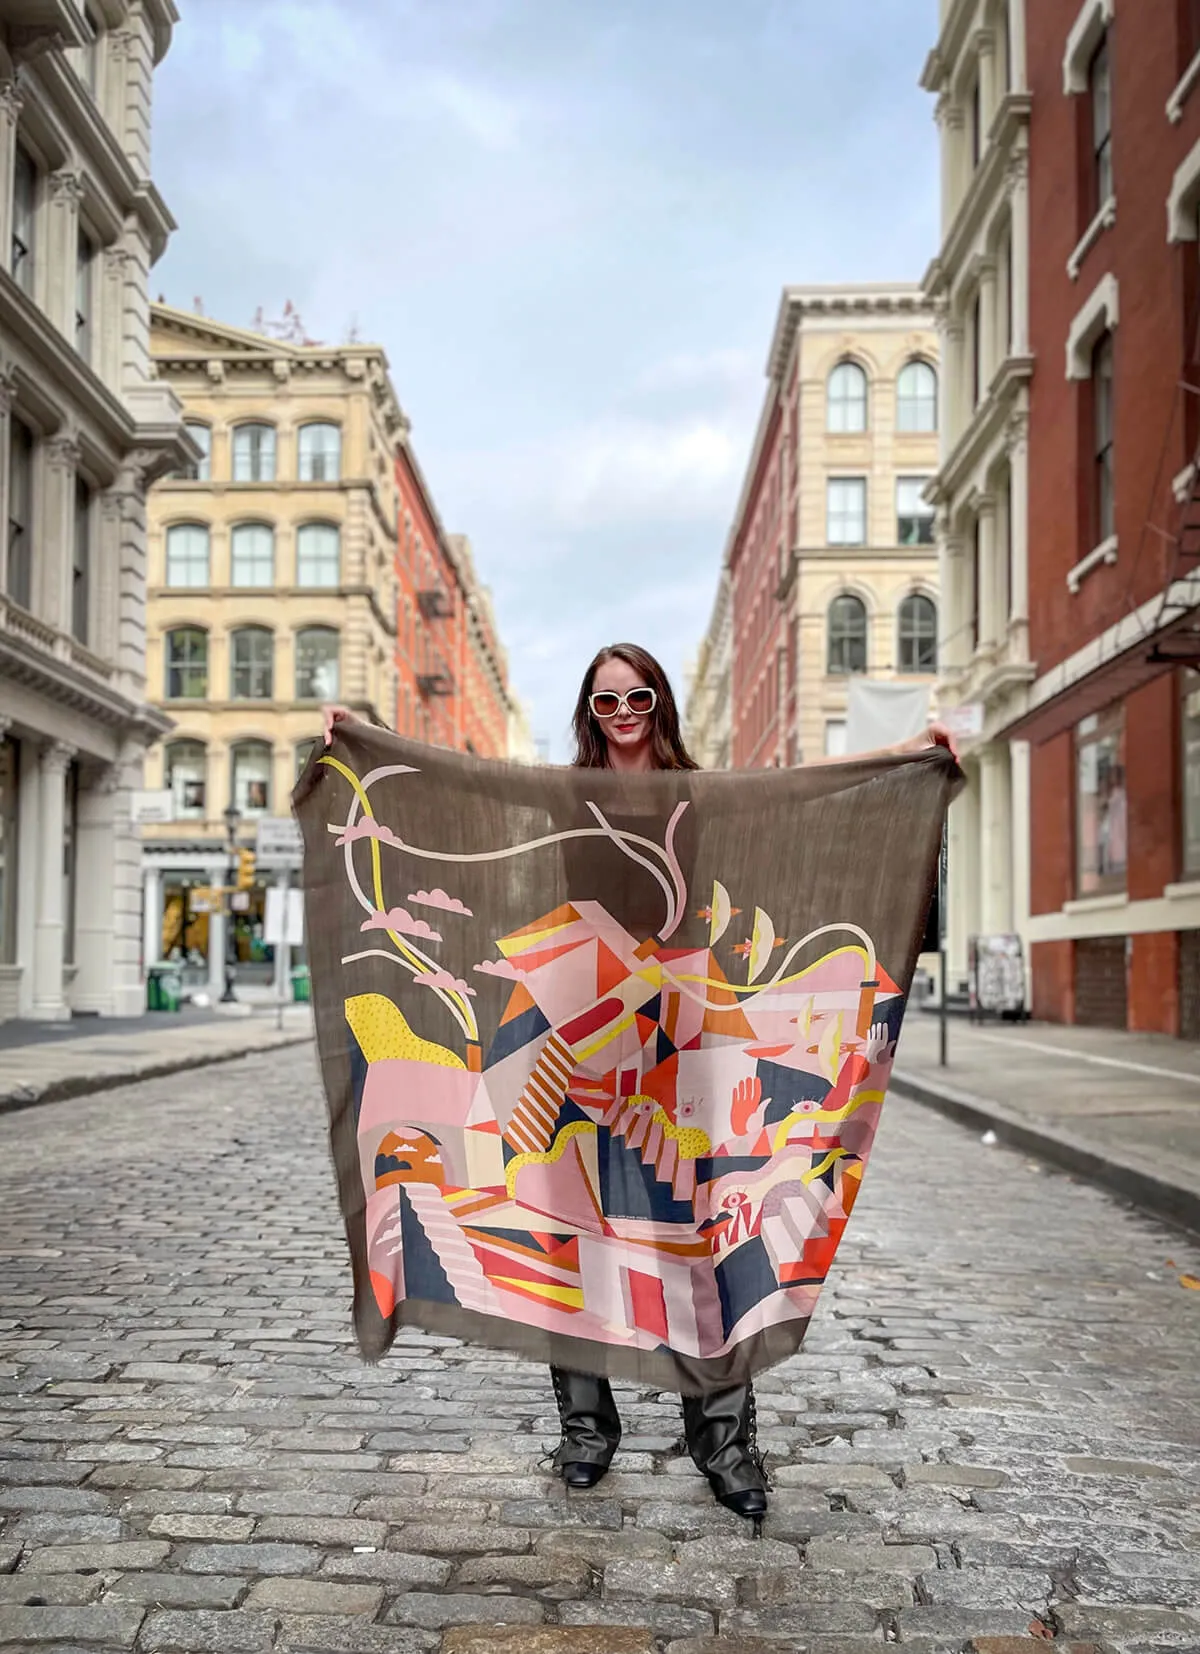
<point>937,735</point>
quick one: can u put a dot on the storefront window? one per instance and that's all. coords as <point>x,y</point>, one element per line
<point>8,850</point>
<point>1190,722</point>
<point>1101,814</point>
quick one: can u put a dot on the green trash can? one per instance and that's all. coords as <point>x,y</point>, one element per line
<point>164,988</point>
<point>301,986</point>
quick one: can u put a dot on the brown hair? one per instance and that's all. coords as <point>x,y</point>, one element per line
<point>666,739</point>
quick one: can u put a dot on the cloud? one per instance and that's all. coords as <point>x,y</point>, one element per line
<point>439,899</point>
<point>370,828</point>
<point>399,920</point>
<point>498,967</point>
<point>492,120</point>
<point>444,979</point>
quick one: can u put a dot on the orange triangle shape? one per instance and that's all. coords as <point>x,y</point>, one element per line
<point>533,961</point>
<point>610,972</point>
<point>520,1001</point>
<point>763,1145</point>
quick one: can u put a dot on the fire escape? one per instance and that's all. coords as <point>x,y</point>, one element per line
<point>436,605</point>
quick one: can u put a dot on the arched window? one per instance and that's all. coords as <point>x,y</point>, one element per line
<point>251,664</point>
<point>199,470</point>
<point>252,555</point>
<point>318,555</point>
<point>187,555</point>
<point>317,664</point>
<point>916,398</point>
<point>187,664</point>
<point>186,770</point>
<point>847,635</point>
<point>320,453</point>
<point>847,405</point>
<point>918,634</point>
<point>254,453</point>
<point>251,790</point>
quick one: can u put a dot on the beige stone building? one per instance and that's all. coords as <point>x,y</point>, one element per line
<point>85,428</point>
<point>707,719</point>
<point>272,588</point>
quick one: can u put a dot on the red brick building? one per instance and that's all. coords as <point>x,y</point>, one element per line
<point>1114,512</point>
<point>452,673</point>
<point>756,556</point>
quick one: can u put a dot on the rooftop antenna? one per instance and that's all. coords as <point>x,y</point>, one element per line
<point>198,306</point>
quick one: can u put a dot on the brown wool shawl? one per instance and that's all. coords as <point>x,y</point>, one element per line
<point>605,1054</point>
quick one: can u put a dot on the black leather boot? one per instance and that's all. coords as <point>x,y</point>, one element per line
<point>591,1426</point>
<point>721,1437</point>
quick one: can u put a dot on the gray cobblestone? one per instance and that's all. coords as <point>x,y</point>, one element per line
<point>433,1612</point>
<point>179,1590</point>
<point>312,1596</point>
<point>72,1559</point>
<point>115,1627</point>
<point>394,1568</point>
<point>250,1559</point>
<point>204,1632</point>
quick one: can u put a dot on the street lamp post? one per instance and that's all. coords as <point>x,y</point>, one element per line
<point>231,827</point>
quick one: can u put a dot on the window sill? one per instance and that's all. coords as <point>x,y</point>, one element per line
<point>1185,891</point>
<point>1105,552</point>
<point>1104,220</point>
<point>1183,91</point>
<point>1097,904</point>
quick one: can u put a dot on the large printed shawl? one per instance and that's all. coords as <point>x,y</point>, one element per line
<point>605,1054</point>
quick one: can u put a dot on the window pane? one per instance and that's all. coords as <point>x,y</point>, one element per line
<point>1101,813</point>
<point>847,511</point>
<point>914,517</point>
<point>318,555</point>
<point>835,737</point>
<point>320,453</point>
<point>317,664</point>
<point>202,436</point>
<point>85,253</point>
<point>916,398</point>
<point>81,562</point>
<point>847,407</point>
<point>252,778</point>
<point>1102,399</point>
<point>254,453</point>
<point>252,659</point>
<point>20,524</point>
<point>918,634</point>
<point>186,771</point>
<point>847,635</point>
<point>252,561</point>
<point>24,209</point>
<point>187,555</point>
<point>187,664</point>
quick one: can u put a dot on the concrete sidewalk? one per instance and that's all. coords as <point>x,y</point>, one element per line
<point>46,1071</point>
<point>1121,1110</point>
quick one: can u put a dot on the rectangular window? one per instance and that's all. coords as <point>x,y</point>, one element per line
<point>846,511</point>
<point>977,350</point>
<point>254,453</point>
<point>24,213</point>
<point>201,435</point>
<point>81,563</point>
<point>20,513</point>
<point>914,517</point>
<point>1190,731</point>
<point>9,756</point>
<point>1101,815</point>
<point>976,123</point>
<point>1104,466</point>
<point>1100,94</point>
<point>835,737</point>
<point>85,254</point>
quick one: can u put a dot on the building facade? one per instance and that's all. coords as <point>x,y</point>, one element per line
<point>707,721</point>
<point>273,588</point>
<point>1112,716</point>
<point>831,558</point>
<point>979,285</point>
<point>85,428</point>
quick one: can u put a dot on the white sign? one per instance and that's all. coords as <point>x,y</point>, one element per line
<point>156,805</point>
<point>964,722</point>
<point>283,921</point>
<point>279,844</point>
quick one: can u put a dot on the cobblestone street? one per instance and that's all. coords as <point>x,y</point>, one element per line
<point>992,1432</point>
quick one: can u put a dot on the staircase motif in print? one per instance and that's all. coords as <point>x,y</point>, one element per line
<point>531,1125</point>
<point>643,1129</point>
<point>455,1254</point>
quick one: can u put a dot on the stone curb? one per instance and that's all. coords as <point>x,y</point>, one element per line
<point>1174,1203</point>
<point>83,1085</point>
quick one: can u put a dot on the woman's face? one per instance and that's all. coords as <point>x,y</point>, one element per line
<point>627,732</point>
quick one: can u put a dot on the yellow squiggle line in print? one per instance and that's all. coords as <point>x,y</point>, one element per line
<point>546,1157</point>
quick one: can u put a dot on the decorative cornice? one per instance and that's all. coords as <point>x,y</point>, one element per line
<point>66,186</point>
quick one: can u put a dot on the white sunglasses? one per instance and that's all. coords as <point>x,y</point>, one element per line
<point>606,703</point>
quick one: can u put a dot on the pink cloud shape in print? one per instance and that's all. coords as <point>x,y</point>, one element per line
<point>498,967</point>
<point>400,920</point>
<point>370,828</point>
<point>444,979</point>
<point>439,899</point>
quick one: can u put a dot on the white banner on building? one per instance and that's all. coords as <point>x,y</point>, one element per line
<point>883,714</point>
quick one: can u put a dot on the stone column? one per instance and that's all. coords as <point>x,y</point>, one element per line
<point>954,372</point>
<point>11,103</point>
<point>52,570</point>
<point>989,90</point>
<point>963,900</point>
<point>952,574</point>
<point>1017,443</point>
<point>49,1000</point>
<point>1017,185</point>
<point>1018,753</point>
<point>986,572</point>
<point>995,819</point>
<point>95,888</point>
<point>62,250</point>
<point>110,304</point>
<point>951,126</point>
<point>989,328</point>
<point>152,914</point>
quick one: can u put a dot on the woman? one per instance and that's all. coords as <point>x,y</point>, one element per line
<point>626,719</point>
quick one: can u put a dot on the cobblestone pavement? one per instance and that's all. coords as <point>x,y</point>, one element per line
<point>993,1426</point>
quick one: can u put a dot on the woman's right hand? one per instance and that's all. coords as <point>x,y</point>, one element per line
<point>336,715</point>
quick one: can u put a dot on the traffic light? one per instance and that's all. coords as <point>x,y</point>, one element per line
<point>245,873</point>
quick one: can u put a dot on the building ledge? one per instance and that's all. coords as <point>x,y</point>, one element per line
<point>984,189</point>
<point>1183,91</point>
<point>1097,904</point>
<point>1104,220</point>
<point>984,428</point>
<point>1186,890</point>
<point>1104,553</point>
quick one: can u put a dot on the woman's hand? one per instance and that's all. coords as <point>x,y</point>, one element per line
<point>937,735</point>
<point>336,715</point>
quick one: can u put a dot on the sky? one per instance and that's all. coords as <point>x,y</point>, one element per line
<point>568,223</point>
